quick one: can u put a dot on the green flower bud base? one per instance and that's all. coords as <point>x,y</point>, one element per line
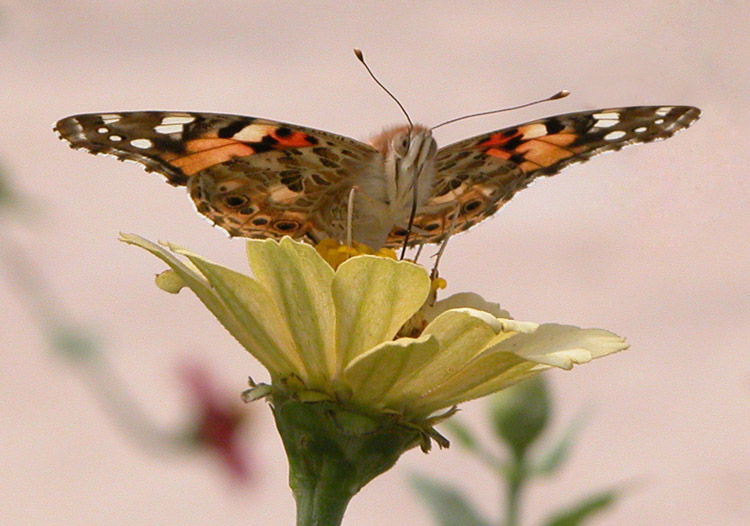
<point>333,451</point>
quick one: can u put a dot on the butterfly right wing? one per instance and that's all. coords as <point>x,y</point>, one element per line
<point>253,177</point>
<point>476,176</point>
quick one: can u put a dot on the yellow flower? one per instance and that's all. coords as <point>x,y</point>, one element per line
<point>326,334</point>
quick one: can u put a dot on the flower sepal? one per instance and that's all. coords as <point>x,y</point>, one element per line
<point>256,391</point>
<point>429,434</point>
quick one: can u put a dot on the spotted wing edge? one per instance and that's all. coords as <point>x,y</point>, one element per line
<point>674,118</point>
<point>477,201</point>
<point>154,138</point>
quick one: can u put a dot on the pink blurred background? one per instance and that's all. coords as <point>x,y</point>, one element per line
<point>651,242</point>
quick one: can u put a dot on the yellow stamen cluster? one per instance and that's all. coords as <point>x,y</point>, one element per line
<point>336,253</point>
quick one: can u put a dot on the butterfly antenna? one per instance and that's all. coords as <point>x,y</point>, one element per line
<point>361,58</point>
<point>559,95</point>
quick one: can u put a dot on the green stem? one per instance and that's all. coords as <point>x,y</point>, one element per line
<point>333,451</point>
<point>321,501</point>
<point>515,477</point>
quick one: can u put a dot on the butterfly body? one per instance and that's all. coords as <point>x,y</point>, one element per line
<point>261,178</point>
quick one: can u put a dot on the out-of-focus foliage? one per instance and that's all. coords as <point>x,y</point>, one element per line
<point>216,422</point>
<point>449,506</point>
<point>518,416</point>
<point>577,513</point>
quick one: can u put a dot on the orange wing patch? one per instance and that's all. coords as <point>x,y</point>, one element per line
<point>207,152</point>
<point>211,149</point>
<point>529,146</point>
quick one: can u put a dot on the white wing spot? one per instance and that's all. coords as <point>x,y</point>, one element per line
<point>141,143</point>
<point>109,118</point>
<point>659,121</point>
<point>664,110</point>
<point>607,116</point>
<point>282,195</point>
<point>168,128</point>
<point>102,130</point>
<point>613,136</point>
<point>115,138</point>
<point>253,132</point>
<point>606,123</point>
<point>533,131</point>
<point>640,129</point>
<point>178,119</point>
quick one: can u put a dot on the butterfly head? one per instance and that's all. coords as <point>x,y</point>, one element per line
<point>409,156</point>
<point>413,146</point>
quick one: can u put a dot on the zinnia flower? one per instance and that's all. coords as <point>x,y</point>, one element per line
<point>328,334</point>
<point>357,352</point>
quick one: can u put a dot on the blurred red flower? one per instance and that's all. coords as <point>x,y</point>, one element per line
<point>218,422</point>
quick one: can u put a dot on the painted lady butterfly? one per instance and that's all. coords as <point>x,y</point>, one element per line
<point>260,178</point>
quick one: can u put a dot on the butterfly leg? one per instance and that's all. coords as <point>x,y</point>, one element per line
<point>444,244</point>
<point>350,215</point>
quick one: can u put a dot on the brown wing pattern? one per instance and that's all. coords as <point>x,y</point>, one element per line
<point>476,176</point>
<point>253,177</point>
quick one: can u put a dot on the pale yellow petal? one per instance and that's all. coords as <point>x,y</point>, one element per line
<point>462,334</point>
<point>266,334</point>
<point>485,376</point>
<point>517,357</point>
<point>374,297</point>
<point>170,281</point>
<point>299,282</point>
<point>563,345</point>
<point>464,299</point>
<point>264,350</point>
<point>375,374</point>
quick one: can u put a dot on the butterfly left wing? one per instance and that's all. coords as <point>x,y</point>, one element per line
<point>253,177</point>
<point>476,176</point>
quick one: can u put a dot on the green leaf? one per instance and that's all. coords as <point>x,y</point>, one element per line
<point>553,459</point>
<point>5,193</point>
<point>520,413</point>
<point>448,506</point>
<point>73,343</point>
<point>10,199</point>
<point>462,434</point>
<point>589,506</point>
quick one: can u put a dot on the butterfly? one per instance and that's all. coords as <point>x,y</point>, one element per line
<point>260,178</point>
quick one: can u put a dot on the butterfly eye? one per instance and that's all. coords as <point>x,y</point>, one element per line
<point>401,144</point>
<point>433,149</point>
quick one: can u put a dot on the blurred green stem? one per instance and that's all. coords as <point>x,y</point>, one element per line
<point>79,347</point>
<point>514,478</point>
